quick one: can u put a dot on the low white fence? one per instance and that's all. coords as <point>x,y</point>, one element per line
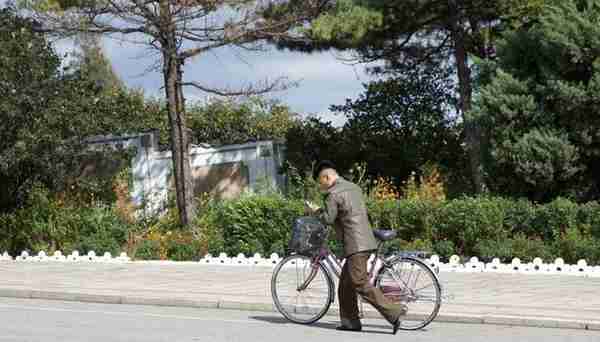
<point>558,267</point>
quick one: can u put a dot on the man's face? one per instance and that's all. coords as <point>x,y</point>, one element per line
<point>326,179</point>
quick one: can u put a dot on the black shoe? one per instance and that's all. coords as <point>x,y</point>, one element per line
<point>345,328</point>
<point>396,326</point>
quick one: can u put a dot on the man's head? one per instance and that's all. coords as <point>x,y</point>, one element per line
<point>325,174</point>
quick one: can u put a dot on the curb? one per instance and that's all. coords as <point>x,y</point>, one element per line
<point>522,321</point>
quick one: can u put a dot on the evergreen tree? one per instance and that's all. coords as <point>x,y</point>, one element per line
<point>46,115</point>
<point>402,123</point>
<point>401,33</point>
<point>541,105</point>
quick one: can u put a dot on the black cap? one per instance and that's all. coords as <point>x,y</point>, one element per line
<point>323,164</point>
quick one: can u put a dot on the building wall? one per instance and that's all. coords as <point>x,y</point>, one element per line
<point>225,172</point>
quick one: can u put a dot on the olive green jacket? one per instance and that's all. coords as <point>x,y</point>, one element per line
<point>345,209</point>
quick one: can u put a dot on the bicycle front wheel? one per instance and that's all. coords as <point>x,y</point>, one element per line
<point>411,282</point>
<point>297,299</point>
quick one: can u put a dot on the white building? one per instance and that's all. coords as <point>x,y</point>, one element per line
<point>223,171</point>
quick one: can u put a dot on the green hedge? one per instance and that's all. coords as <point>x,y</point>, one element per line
<point>257,224</point>
<point>485,226</point>
<point>252,224</point>
<point>47,224</point>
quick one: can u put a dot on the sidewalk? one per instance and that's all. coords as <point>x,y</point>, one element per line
<point>513,299</point>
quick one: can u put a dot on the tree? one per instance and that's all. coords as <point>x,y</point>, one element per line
<point>401,123</point>
<point>540,106</point>
<point>223,122</point>
<point>46,114</point>
<point>180,30</point>
<point>91,60</point>
<point>29,66</point>
<point>401,32</point>
<point>311,141</point>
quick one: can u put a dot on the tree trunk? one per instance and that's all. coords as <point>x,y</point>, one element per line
<point>179,142</point>
<point>182,170</point>
<point>472,131</point>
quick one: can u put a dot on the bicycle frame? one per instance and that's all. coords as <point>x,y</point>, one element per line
<point>333,266</point>
<point>331,263</point>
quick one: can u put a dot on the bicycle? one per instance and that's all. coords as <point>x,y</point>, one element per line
<point>310,279</point>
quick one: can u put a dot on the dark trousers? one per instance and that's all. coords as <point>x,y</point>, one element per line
<point>354,280</point>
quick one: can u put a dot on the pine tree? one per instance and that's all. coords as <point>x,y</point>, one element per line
<point>541,106</point>
<point>400,32</point>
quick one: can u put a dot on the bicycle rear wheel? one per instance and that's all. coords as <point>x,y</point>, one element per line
<point>411,282</point>
<point>306,305</point>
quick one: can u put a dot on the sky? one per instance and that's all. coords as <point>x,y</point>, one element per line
<point>323,78</point>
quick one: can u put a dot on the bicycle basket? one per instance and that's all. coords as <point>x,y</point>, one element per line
<point>308,235</point>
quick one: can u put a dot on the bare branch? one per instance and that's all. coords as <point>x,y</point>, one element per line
<point>240,39</point>
<point>279,84</point>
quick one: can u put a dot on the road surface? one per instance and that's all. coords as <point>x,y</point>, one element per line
<point>50,321</point>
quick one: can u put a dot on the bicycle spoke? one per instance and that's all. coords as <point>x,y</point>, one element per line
<point>417,278</point>
<point>424,287</point>
<point>431,299</point>
<point>397,278</point>
<point>297,277</point>
<point>306,305</point>
<point>411,282</point>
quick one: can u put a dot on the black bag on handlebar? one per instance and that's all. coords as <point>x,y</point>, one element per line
<point>308,235</point>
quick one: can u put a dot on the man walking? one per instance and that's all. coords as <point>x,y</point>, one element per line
<point>345,209</point>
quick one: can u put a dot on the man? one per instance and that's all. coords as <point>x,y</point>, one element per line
<point>346,210</point>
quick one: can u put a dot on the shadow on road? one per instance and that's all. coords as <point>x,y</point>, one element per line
<point>324,325</point>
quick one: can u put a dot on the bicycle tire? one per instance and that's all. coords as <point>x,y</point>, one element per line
<point>301,266</point>
<point>420,316</point>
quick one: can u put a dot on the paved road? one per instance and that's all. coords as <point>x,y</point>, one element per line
<point>39,320</point>
<point>530,300</point>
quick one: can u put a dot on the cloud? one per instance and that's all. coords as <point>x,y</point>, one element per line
<point>324,79</point>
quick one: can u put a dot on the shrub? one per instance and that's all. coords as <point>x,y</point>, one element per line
<point>574,245</point>
<point>465,221</point>
<point>421,245</point>
<point>410,217</point>
<point>589,218</point>
<point>259,223</point>
<point>178,250</point>
<point>430,188</point>
<point>555,218</point>
<point>444,248</point>
<point>208,231</point>
<point>99,229</point>
<point>48,223</point>
<point>383,189</point>
<point>7,232</point>
<point>383,214</point>
<point>527,249</point>
<point>148,250</point>
<point>487,249</point>
<point>518,217</point>
<point>416,218</point>
<point>469,226</point>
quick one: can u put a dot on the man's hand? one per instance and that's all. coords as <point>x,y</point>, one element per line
<point>310,208</point>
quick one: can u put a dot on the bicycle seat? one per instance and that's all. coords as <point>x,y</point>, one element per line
<point>385,234</point>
